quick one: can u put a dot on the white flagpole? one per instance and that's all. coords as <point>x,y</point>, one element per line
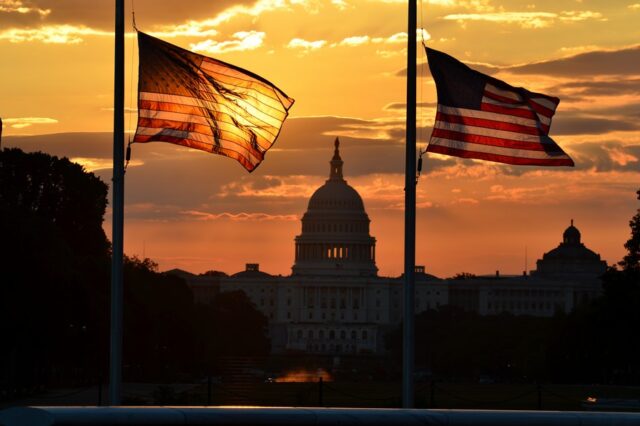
<point>408,333</point>
<point>115,361</point>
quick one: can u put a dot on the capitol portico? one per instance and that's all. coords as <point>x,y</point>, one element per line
<point>334,302</point>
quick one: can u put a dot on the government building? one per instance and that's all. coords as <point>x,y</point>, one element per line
<point>334,302</point>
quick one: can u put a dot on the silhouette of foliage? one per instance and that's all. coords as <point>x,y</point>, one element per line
<point>463,276</point>
<point>631,262</point>
<point>54,291</point>
<point>454,344</point>
<point>51,313</point>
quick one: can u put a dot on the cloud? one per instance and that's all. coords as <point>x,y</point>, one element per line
<point>422,69</point>
<point>18,6</point>
<point>244,40</point>
<point>305,45</point>
<point>579,123</point>
<point>59,34</point>
<point>93,164</point>
<point>608,87</point>
<point>603,62</point>
<point>525,19</point>
<point>401,106</point>
<point>397,38</point>
<point>635,6</point>
<point>21,122</point>
<point>257,217</point>
<point>99,16</point>
<point>270,187</point>
<point>605,157</point>
<point>354,41</point>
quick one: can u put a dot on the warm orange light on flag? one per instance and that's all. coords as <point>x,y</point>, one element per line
<point>199,102</point>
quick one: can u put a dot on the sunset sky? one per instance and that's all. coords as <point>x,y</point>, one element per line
<point>343,61</point>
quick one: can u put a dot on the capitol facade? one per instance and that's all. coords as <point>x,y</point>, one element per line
<point>334,302</point>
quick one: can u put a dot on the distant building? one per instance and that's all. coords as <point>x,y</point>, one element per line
<point>335,303</point>
<point>571,259</point>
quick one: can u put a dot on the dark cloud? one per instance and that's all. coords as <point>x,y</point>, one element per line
<point>315,132</point>
<point>401,106</point>
<point>631,111</point>
<point>100,14</point>
<point>93,145</point>
<point>423,69</point>
<point>173,179</point>
<point>607,156</point>
<point>616,87</point>
<point>617,62</point>
<point>576,123</point>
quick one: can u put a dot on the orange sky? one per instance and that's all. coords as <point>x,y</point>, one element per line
<point>343,62</point>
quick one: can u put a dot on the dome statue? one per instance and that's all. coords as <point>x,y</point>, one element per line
<point>335,236</point>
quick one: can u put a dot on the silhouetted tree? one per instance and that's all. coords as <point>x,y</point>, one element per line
<point>54,262</point>
<point>459,345</point>
<point>631,261</point>
<point>54,291</point>
<point>597,342</point>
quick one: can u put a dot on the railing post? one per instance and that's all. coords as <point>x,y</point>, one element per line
<point>539,396</point>
<point>320,402</point>
<point>100,391</point>
<point>432,402</point>
<point>209,390</point>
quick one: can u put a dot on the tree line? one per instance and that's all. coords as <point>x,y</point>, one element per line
<point>54,307</point>
<point>595,343</point>
<point>54,291</point>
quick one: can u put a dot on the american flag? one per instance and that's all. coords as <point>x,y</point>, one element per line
<point>482,117</point>
<point>195,101</point>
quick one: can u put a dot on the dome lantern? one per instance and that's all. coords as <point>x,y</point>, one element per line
<point>571,235</point>
<point>336,163</point>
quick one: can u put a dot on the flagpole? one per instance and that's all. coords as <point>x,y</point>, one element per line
<point>115,361</point>
<point>408,333</point>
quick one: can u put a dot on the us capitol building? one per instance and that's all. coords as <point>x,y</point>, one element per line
<point>334,302</point>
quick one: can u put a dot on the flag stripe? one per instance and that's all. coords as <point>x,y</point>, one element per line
<point>260,88</point>
<point>206,133</point>
<point>206,130</point>
<point>547,103</point>
<point>246,160</point>
<point>497,150</point>
<point>170,135</point>
<point>486,115</point>
<point>231,71</point>
<point>509,94</point>
<point>213,106</point>
<point>502,99</point>
<point>488,124</point>
<point>509,111</point>
<point>148,108</point>
<point>484,131</point>
<point>491,140</point>
<point>540,109</point>
<point>499,158</point>
<point>246,93</point>
<point>162,112</point>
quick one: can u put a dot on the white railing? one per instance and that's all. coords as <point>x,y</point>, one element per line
<point>259,416</point>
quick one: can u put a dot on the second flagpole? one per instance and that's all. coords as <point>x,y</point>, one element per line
<point>117,237</point>
<point>408,331</point>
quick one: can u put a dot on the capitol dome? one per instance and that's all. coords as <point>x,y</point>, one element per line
<point>335,236</point>
<point>571,257</point>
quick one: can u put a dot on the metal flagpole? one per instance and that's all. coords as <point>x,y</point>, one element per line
<point>408,334</point>
<point>115,362</point>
